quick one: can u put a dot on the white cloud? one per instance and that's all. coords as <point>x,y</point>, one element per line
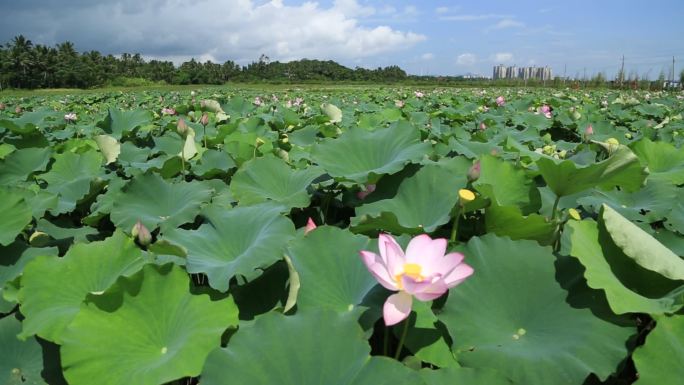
<point>466,59</point>
<point>503,57</point>
<point>442,10</point>
<point>240,30</point>
<point>508,23</point>
<point>427,56</point>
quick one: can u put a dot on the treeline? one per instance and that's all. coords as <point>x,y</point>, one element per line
<point>27,65</point>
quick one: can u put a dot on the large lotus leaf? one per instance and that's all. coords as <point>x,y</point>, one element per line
<point>234,242</point>
<point>641,246</point>
<point>609,270</point>
<point>213,162</point>
<point>566,177</point>
<point>675,218</point>
<point>659,360</point>
<point>49,305</point>
<point>109,147</point>
<point>509,221</point>
<point>14,258</point>
<point>465,376</point>
<point>120,122</point>
<point>310,348</point>
<point>512,314</point>
<point>28,122</point>
<point>17,166</point>
<point>368,154</point>
<point>331,273</point>
<point>663,159</point>
<point>503,183</point>
<point>270,178</point>
<point>16,214</point>
<point>423,201</point>
<point>424,339</point>
<point>147,330</point>
<point>70,177</point>
<point>20,361</point>
<point>156,203</point>
<point>649,204</point>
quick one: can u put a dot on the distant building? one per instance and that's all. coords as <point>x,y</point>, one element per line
<point>524,73</point>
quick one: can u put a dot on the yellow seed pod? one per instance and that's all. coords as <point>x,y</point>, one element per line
<point>574,214</point>
<point>613,142</point>
<point>465,196</point>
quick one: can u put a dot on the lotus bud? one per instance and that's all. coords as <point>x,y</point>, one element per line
<point>182,127</point>
<point>589,130</point>
<point>141,233</point>
<point>284,155</point>
<point>483,126</point>
<point>2,106</point>
<point>474,172</point>
<point>465,196</point>
<point>310,226</point>
<point>204,120</point>
<point>259,142</point>
<point>17,110</point>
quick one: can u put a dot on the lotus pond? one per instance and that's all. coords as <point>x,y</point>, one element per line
<point>351,236</point>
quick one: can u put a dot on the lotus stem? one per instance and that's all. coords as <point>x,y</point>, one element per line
<point>555,208</point>
<point>454,227</point>
<point>385,343</point>
<point>402,339</point>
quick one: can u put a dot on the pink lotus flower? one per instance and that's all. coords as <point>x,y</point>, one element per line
<point>70,117</point>
<point>2,106</point>
<point>17,110</point>
<point>424,272</point>
<point>257,101</point>
<point>168,111</point>
<point>399,103</point>
<point>545,110</point>
<point>419,94</point>
<point>500,101</point>
<point>363,194</point>
<point>298,102</point>
<point>310,226</point>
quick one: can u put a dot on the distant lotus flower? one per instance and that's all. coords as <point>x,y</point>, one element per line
<point>204,120</point>
<point>474,172</point>
<point>274,97</point>
<point>399,103</point>
<point>500,101</point>
<point>310,226</point>
<point>424,272</point>
<point>288,104</point>
<point>257,101</point>
<point>168,111</point>
<point>604,103</point>
<point>483,126</point>
<point>70,117</point>
<point>363,194</point>
<point>485,108</point>
<point>546,111</point>
<point>2,106</point>
<point>17,110</point>
<point>193,93</point>
<point>298,101</point>
<point>418,94</point>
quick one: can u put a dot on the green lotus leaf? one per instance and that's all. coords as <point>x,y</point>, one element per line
<point>147,329</point>
<point>331,273</point>
<point>49,305</point>
<point>368,154</point>
<point>424,339</point>
<point>675,218</point>
<point>423,201</point>
<point>6,149</point>
<point>156,203</point>
<point>332,111</point>
<point>469,376</point>
<point>509,221</point>
<point>21,362</point>
<point>538,122</point>
<point>16,214</point>
<point>28,122</point>
<point>642,247</point>
<point>109,147</point>
<point>513,315</point>
<point>120,122</point>
<point>566,177</point>
<point>663,160</point>
<point>276,349</point>
<point>14,258</point>
<point>609,270</point>
<point>213,163</point>
<point>659,360</point>
<point>18,165</point>
<point>234,242</point>
<point>503,183</point>
<point>270,178</point>
<point>71,176</point>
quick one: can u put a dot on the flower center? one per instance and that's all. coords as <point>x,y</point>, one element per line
<point>412,270</point>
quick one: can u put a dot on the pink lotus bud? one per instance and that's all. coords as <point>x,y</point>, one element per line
<point>141,233</point>
<point>474,172</point>
<point>182,127</point>
<point>204,120</point>
<point>483,126</point>
<point>363,194</point>
<point>310,226</point>
<point>500,101</point>
<point>589,130</point>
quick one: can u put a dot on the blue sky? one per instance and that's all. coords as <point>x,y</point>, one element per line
<point>423,37</point>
